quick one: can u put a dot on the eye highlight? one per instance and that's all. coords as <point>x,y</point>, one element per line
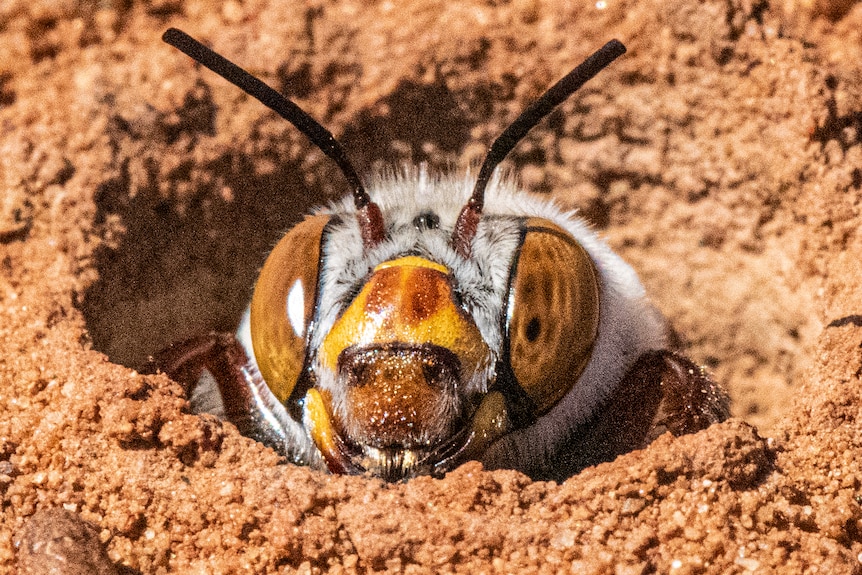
<point>552,317</point>
<point>283,304</point>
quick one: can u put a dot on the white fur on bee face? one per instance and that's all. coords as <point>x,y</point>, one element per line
<point>628,324</point>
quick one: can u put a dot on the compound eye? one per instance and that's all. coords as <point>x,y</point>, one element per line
<point>283,305</point>
<point>553,313</point>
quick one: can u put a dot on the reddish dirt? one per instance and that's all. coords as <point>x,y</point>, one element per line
<point>722,156</point>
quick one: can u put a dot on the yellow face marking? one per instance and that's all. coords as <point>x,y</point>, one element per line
<point>414,261</point>
<point>409,300</point>
<point>322,433</point>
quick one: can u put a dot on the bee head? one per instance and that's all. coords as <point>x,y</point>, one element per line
<point>411,332</point>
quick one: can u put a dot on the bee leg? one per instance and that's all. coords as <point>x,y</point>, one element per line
<point>690,400</point>
<point>248,402</point>
<point>663,391</point>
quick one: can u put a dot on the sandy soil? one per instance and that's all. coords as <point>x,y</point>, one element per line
<point>722,156</point>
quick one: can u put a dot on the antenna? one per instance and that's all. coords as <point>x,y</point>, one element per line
<point>368,213</point>
<point>468,219</point>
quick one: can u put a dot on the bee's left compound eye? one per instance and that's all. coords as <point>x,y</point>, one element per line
<point>283,305</point>
<point>553,313</point>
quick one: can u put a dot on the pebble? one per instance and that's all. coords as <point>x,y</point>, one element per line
<point>59,542</point>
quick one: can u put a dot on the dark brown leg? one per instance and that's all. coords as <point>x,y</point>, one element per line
<point>248,403</point>
<point>663,391</point>
<point>691,401</point>
<point>219,353</point>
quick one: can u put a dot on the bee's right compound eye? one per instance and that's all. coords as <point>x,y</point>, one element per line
<point>553,313</point>
<point>283,305</point>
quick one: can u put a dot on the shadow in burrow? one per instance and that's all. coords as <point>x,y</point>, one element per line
<point>186,266</point>
<point>186,263</point>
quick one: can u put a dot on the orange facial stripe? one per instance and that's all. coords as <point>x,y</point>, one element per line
<point>406,301</point>
<point>414,261</point>
<point>322,433</point>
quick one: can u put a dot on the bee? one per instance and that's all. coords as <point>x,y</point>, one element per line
<point>427,320</point>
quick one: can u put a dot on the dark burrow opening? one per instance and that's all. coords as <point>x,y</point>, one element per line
<point>186,267</point>
<point>182,247</point>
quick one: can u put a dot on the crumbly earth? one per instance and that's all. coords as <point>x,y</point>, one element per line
<point>722,156</point>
